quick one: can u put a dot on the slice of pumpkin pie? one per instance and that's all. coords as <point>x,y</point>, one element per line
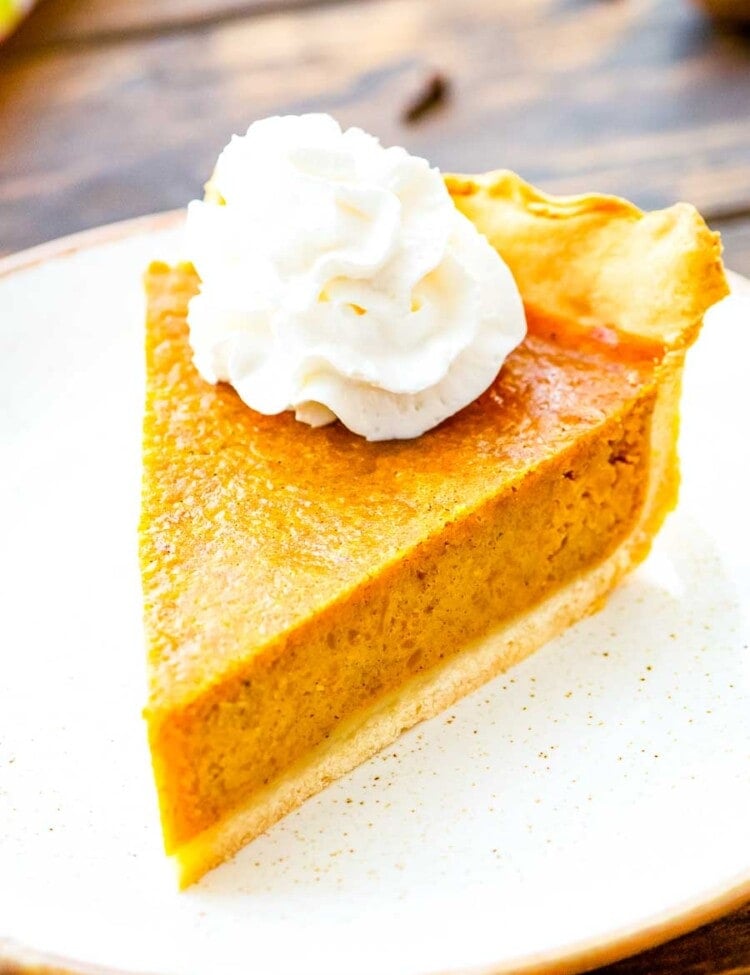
<point>315,587</point>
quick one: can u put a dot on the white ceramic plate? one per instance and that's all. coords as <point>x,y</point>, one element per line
<point>593,801</point>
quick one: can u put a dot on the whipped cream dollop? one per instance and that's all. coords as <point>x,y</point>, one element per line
<point>339,280</point>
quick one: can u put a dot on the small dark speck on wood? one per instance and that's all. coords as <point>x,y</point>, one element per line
<point>434,91</point>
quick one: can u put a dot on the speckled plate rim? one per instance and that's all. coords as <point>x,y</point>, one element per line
<point>18,959</point>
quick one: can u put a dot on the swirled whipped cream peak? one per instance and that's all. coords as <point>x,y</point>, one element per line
<point>339,280</point>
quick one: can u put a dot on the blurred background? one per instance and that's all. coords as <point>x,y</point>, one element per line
<point>114,108</point>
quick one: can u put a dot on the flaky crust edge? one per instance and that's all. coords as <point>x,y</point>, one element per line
<point>582,257</point>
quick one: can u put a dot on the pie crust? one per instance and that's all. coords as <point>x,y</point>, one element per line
<point>309,595</point>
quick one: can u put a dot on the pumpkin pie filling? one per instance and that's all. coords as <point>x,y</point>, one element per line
<point>348,567</point>
<point>309,594</point>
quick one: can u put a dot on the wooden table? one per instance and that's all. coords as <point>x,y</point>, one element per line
<point>113,108</point>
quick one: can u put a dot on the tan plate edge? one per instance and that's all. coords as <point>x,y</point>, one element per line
<point>86,239</point>
<point>18,959</point>
<point>585,956</point>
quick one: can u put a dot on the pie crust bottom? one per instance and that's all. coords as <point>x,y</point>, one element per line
<point>427,694</point>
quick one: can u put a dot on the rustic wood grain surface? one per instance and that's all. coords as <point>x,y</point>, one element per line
<point>77,22</point>
<point>721,948</point>
<point>639,97</point>
<point>113,108</point>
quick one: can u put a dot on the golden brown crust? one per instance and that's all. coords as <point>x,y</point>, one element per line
<point>598,259</point>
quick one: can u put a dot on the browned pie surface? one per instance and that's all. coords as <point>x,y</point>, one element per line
<point>287,518</point>
<point>292,575</point>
